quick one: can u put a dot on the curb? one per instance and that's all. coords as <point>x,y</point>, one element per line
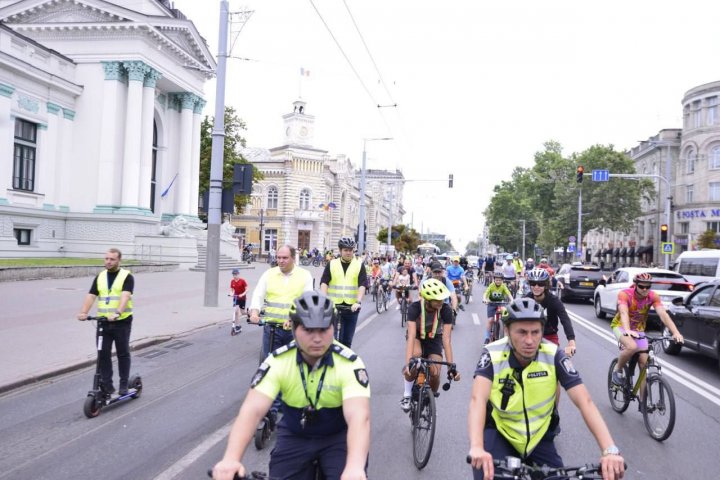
<point>135,346</point>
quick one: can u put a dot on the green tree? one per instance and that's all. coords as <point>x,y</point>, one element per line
<point>404,239</point>
<point>231,154</point>
<point>707,239</point>
<point>472,248</point>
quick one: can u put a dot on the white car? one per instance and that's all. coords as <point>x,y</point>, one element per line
<point>666,283</point>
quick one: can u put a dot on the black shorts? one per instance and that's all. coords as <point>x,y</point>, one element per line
<point>239,302</point>
<point>431,346</point>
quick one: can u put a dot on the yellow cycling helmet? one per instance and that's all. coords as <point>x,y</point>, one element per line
<point>432,289</point>
<point>456,259</point>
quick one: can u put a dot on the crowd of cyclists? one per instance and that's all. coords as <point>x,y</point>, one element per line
<point>517,382</point>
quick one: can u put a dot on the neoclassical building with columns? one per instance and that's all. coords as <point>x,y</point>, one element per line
<point>100,112</point>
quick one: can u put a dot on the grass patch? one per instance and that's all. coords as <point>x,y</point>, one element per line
<point>56,262</point>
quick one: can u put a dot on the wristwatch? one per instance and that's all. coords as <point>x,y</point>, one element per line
<point>611,450</point>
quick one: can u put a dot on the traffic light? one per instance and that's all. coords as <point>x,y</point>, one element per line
<point>450,181</point>
<point>664,232</point>
<point>580,172</point>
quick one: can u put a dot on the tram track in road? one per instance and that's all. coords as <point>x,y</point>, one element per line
<point>674,372</point>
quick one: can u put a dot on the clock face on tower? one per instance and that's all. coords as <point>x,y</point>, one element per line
<point>303,131</point>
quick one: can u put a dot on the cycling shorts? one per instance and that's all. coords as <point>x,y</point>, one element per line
<point>641,342</point>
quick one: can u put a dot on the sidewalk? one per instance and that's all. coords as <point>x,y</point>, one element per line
<point>40,335</point>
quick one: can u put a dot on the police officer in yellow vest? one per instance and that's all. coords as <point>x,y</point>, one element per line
<point>277,288</point>
<point>513,397</point>
<point>113,288</point>
<point>344,280</point>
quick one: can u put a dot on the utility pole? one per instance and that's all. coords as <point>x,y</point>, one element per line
<point>390,221</point>
<point>578,242</point>
<point>216,164</point>
<point>523,244</point>
<point>361,226</point>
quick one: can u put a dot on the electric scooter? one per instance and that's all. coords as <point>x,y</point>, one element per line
<point>98,397</point>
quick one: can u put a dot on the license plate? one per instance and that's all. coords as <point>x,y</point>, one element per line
<point>586,284</point>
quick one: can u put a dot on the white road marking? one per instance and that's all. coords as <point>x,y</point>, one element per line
<point>476,319</point>
<point>192,456</point>
<point>372,317</point>
<point>695,384</point>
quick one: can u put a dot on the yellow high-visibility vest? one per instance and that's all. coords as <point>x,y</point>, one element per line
<point>343,286</point>
<point>280,294</point>
<point>109,297</point>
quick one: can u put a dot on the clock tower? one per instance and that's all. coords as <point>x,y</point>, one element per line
<point>299,126</point>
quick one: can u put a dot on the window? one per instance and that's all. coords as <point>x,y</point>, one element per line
<point>715,158</point>
<point>697,114</point>
<point>22,235</point>
<point>689,190</point>
<point>684,227</point>
<point>712,103</point>
<point>691,156</point>
<point>270,239</point>
<point>272,198</point>
<point>305,199</point>
<point>714,226</point>
<point>714,191</point>
<point>702,297</point>
<point>24,159</point>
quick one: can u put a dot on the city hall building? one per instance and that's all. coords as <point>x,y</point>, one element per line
<point>100,113</point>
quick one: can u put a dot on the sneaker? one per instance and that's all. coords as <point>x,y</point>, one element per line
<point>109,390</point>
<point>618,378</point>
<point>405,404</point>
<point>487,340</point>
<point>123,390</point>
<point>237,329</point>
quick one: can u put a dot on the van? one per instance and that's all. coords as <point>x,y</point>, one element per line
<point>699,265</point>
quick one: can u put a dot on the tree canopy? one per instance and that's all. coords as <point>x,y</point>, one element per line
<point>404,239</point>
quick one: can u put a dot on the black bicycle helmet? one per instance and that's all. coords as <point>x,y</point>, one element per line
<point>346,242</point>
<point>523,309</point>
<point>498,275</point>
<point>312,310</point>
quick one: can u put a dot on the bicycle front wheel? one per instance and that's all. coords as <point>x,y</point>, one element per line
<point>659,408</point>
<point>619,395</point>
<point>424,427</point>
<point>403,313</point>
<point>379,297</point>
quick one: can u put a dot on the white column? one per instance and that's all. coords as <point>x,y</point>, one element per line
<point>187,105</point>
<point>195,167</point>
<point>133,129</point>
<point>148,110</point>
<point>51,162</point>
<point>109,163</point>
<point>63,160</point>
<point>7,129</point>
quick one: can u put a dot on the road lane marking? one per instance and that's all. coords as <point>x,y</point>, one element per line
<point>689,380</point>
<point>372,317</point>
<point>194,454</point>
<point>476,319</point>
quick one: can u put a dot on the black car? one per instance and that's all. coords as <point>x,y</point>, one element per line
<point>698,319</point>
<point>577,281</point>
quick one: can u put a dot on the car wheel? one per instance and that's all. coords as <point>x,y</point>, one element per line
<point>669,346</point>
<point>598,308</point>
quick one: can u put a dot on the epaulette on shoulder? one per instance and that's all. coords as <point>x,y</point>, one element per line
<point>283,349</point>
<point>344,352</point>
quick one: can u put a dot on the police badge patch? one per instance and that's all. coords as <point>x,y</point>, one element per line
<point>484,361</point>
<point>362,377</point>
<point>568,366</point>
<point>259,374</point>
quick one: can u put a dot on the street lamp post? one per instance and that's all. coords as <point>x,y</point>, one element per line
<point>361,226</point>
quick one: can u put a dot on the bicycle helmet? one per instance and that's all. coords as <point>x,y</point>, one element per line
<point>543,260</point>
<point>312,310</point>
<point>436,267</point>
<point>508,257</point>
<point>538,275</point>
<point>346,242</point>
<point>530,260</point>
<point>432,289</point>
<point>497,275</point>
<point>642,277</point>
<point>523,309</point>
<point>516,254</point>
<point>456,259</point>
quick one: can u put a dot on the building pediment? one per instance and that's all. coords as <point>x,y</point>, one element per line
<point>60,12</point>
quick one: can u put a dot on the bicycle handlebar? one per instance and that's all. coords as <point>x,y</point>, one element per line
<point>511,468</point>
<point>251,476</point>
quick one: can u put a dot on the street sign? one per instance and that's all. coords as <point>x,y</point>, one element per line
<point>600,175</point>
<point>668,248</point>
<point>571,247</point>
<point>571,239</point>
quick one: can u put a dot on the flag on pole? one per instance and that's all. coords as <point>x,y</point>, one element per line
<point>167,189</point>
<point>327,206</point>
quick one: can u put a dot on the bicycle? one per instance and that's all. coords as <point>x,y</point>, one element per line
<point>381,298</point>
<point>468,290</point>
<point>488,278</point>
<point>318,262</point>
<point>512,468</point>
<point>404,300</point>
<point>512,286</point>
<point>305,261</point>
<point>496,330</point>
<point>248,257</point>
<point>658,404</point>
<point>422,408</point>
<point>374,288</point>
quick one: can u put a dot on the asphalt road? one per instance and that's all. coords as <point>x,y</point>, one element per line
<point>193,387</point>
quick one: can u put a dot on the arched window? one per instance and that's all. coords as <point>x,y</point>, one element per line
<point>691,156</point>
<point>715,158</point>
<point>305,199</point>
<point>272,197</point>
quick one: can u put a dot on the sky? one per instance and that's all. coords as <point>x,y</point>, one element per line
<point>480,86</point>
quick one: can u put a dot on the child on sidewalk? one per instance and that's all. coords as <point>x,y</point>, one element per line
<point>238,290</point>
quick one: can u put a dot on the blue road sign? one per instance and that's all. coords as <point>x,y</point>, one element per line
<point>668,248</point>
<point>600,175</point>
<point>571,247</point>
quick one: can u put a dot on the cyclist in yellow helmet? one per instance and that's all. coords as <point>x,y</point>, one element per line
<point>429,332</point>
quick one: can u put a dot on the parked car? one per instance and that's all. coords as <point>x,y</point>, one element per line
<point>666,283</point>
<point>698,319</point>
<point>699,265</point>
<point>577,281</point>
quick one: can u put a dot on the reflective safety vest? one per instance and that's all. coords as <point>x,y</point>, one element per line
<point>109,297</point>
<point>526,415</point>
<point>343,286</point>
<point>281,291</point>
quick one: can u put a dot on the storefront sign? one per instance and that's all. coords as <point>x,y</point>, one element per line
<point>704,213</point>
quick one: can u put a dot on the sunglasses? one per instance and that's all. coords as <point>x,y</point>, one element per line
<point>537,284</point>
<point>643,287</point>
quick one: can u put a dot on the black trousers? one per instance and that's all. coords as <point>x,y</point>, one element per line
<point>119,333</point>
